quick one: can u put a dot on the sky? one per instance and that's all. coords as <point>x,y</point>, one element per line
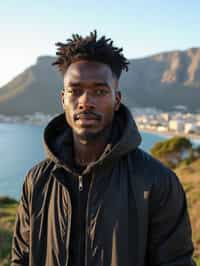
<point>29,29</point>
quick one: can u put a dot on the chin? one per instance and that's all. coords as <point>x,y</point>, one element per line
<point>88,136</point>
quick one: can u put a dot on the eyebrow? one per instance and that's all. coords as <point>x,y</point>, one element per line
<point>73,83</point>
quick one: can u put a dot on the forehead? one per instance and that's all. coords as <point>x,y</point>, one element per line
<point>88,71</point>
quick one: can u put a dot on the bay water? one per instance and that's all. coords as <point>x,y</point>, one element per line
<point>21,147</point>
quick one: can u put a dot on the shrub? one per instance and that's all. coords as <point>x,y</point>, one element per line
<point>170,151</point>
<point>7,200</point>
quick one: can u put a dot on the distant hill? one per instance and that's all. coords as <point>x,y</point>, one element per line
<point>162,80</point>
<point>37,89</point>
<point>165,80</point>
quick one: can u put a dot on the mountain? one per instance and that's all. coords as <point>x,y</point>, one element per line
<point>37,89</point>
<point>163,80</point>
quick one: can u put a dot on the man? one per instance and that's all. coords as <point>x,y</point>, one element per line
<point>98,199</point>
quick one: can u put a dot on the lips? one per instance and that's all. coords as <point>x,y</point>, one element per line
<point>87,116</point>
<point>87,119</point>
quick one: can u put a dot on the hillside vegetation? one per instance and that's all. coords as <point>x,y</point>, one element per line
<point>190,178</point>
<point>180,154</point>
<point>8,209</point>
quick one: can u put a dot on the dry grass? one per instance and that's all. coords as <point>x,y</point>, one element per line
<point>190,177</point>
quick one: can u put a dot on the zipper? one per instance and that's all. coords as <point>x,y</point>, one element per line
<point>68,229</point>
<point>80,189</point>
<point>80,183</point>
<point>70,218</point>
<point>87,214</point>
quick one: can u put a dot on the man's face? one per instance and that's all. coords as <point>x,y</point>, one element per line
<point>89,98</point>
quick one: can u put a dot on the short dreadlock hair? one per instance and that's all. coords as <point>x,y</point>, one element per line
<point>92,49</point>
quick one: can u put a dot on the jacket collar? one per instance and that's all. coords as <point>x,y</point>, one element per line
<point>58,140</point>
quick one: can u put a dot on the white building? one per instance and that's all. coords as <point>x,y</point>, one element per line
<point>176,125</point>
<point>191,128</point>
<point>165,116</point>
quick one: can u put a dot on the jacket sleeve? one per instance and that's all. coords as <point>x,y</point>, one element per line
<point>20,241</point>
<point>170,238</point>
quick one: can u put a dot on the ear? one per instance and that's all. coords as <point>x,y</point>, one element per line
<point>62,97</point>
<point>118,98</point>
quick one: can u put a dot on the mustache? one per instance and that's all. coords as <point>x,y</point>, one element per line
<point>89,113</point>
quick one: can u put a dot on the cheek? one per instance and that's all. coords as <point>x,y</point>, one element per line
<point>68,104</point>
<point>109,110</point>
<point>68,109</point>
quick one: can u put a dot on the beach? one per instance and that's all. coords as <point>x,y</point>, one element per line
<point>169,134</point>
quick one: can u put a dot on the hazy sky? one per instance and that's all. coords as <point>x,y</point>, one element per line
<point>29,29</point>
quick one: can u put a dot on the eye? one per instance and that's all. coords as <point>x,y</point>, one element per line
<point>101,91</point>
<point>74,91</point>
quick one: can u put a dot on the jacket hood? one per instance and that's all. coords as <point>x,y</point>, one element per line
<point>58,140</point>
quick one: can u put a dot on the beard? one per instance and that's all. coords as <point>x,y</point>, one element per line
<point>88,136</point>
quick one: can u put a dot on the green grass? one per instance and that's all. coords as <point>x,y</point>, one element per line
<point>197,261</point>
<point>8,209</point>
<point>5,243</point>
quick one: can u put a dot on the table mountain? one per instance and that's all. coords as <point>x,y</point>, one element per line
<point>162,80</point>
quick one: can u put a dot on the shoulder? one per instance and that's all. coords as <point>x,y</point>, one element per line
<point>161,183</point>
<point>39,170</point>
<point>35,176</point>
<point>152,172</point>
<point>147,164</point>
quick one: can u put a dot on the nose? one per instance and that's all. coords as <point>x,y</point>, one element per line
<point>86,101</point>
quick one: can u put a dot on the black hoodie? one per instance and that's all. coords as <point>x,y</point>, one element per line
<point>136,211</point>
<point>61,146</point>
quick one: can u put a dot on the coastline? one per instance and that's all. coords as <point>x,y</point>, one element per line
<point>169,134</point>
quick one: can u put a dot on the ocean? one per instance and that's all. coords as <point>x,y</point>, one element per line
<point>21,146</point>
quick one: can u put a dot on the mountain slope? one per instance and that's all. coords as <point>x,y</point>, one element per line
<point>37,89</point>
<point>165,80</point>
<point>162,80</point>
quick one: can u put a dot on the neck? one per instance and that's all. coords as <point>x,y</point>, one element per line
<point>87,151</point>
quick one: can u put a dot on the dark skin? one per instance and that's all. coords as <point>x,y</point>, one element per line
<point>90,98</point>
